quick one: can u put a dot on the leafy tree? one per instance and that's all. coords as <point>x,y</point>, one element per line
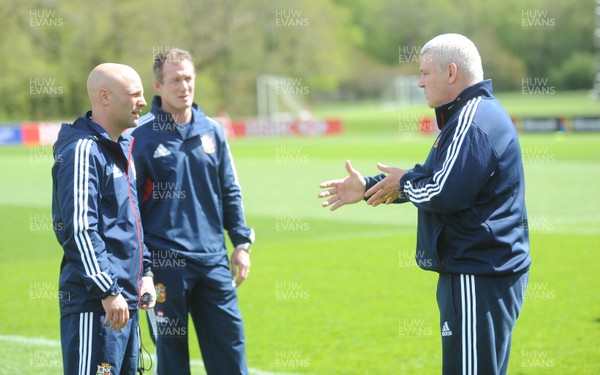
<point>50,46</point>
<point>574,73</point>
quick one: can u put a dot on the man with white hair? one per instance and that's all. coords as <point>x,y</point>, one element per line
<point>470,195</point>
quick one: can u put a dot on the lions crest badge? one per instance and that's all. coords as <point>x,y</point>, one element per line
<point>161,292</point>
<point>103,369</point>
<point>208,143</point>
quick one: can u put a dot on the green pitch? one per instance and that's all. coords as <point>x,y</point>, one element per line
<point>337,292</point>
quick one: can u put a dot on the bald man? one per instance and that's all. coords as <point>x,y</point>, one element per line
<point>106,267</point>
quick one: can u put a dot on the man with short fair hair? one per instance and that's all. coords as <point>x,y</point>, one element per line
<point>172,55</point>
<point>470,195</point>
<point>106,267</point>
<point>456,49</point>
<point>189,196</point>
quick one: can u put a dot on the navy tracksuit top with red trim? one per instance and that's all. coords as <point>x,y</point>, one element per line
<point>188,186</point>
<point>96,218</point>
<point>470,192</point>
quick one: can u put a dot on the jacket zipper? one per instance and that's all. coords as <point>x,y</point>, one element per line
<point>137,223</point>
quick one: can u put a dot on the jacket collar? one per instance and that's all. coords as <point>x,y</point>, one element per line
<point>198,117</point>
<point>197,113</point>
<point>444,112</point>
<point>97,132</point>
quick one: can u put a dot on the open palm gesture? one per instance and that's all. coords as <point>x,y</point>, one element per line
<point>345,190</point>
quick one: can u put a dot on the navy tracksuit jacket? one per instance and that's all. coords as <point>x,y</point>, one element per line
<point>470,192</point>
<point>188,188</point>
<point>95,212</point>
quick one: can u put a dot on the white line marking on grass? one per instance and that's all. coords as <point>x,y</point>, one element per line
<point>361,235</point>
<point>30,340</point>
<point>42,341</point>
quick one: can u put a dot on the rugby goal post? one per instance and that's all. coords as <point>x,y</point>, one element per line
<point>403,91</point>
<point>281,98</point>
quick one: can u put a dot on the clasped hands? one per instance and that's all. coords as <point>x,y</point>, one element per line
<point>351,189</point>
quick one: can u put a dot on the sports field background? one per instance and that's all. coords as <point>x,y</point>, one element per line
<point>339,292</point>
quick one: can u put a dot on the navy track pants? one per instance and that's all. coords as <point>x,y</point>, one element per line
<point>207,293</point>
<point>90,347</point>
<point>477,318</point>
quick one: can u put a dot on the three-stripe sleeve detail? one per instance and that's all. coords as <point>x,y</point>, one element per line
<point>80,216</point>
<point>427,192</point>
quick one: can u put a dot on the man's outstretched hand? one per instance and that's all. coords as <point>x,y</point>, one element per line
<point>345,190</point>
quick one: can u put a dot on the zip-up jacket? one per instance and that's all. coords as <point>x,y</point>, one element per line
<point>96,218</point>
<point>470,192</point>
<point>187,186</point>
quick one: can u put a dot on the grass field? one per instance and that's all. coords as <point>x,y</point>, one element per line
<point>337,292</point>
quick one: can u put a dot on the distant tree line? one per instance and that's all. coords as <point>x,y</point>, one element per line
<point>335,48</point>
